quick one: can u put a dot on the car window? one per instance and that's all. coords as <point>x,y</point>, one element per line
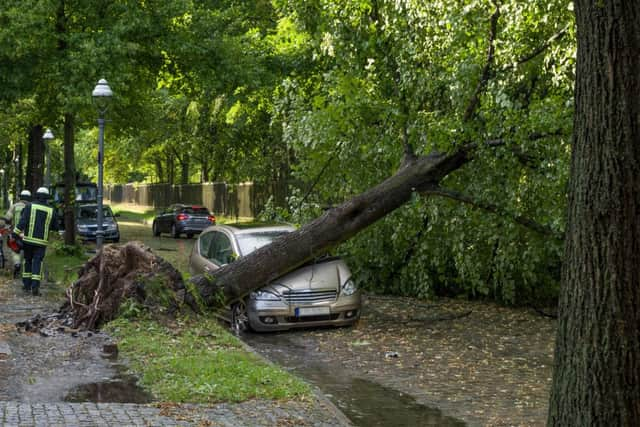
<point>204,242</point>
<point>251,241</point>
<point>91,212</point>
<point>195,210</point>
<point>220,250</point>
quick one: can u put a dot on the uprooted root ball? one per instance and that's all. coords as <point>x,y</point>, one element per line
<point>117,274</point>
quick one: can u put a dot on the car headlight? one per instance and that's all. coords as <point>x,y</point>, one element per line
<point>349,287</point>
<point>264,296</point>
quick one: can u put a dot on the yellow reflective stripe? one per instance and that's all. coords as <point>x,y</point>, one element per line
<point>35,240</point>
<point>36,277</point>
<point>30,238</point>
<point>26,275</point>
<point>46,224</point>
<point>32,219</point>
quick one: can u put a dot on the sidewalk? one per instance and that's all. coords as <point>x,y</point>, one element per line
<point>36,373</point>
<point>252,413</point>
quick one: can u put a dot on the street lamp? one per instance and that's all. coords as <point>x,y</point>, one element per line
<point>4,190</point>
<point>17,162</point>
<point>101,96</point>
<point>47,137</point>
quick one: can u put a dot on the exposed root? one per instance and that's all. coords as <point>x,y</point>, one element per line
<point>116,274</point>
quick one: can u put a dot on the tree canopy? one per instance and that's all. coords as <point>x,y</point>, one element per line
<point>326,99</point>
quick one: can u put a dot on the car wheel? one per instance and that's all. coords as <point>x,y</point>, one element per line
<point>174,231</point>
<point>189,235</point>
<point>239,317</point>
<point>156,230</point>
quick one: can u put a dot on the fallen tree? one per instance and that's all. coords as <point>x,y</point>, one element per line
<point>336,225</point>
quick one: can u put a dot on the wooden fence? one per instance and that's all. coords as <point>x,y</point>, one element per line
<point>233,200</point>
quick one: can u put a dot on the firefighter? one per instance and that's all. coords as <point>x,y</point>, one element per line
<point>36,220</point>
<point>14,212</point>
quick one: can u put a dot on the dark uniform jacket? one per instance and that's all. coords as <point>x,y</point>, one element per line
<point>36,220</point>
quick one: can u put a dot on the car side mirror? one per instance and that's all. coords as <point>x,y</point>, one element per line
<point>117,214</point>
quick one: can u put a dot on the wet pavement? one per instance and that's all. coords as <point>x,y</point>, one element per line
<point>365,403</point>
<point>443,362</point>
<point>67,380</point>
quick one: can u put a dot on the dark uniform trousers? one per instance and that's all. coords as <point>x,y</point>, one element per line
<point>32,273</point>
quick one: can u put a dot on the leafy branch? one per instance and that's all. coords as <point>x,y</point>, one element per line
<point>490,207</point>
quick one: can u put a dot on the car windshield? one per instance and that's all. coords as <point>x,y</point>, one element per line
<point>91,212</point>
<point>195,210</point>
<point>251,241</point>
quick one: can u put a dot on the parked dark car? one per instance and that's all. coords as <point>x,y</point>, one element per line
<point>182,219</point>
<point>87,223</point>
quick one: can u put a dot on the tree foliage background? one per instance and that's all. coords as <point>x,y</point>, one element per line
<point>319,100</point>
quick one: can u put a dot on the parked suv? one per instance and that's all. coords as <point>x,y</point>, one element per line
<point>180,219</point>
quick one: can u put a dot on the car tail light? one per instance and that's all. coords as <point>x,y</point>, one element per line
<point>211,218</point>
<point>182,217</point>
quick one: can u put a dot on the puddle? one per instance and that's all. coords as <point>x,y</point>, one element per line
<point>121,389</point>
<point>369,404</point>
<point>364,402</point>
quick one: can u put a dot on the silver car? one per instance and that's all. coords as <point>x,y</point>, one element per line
<point>319,293</point>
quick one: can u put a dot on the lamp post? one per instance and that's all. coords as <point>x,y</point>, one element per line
<point>47,137</point>
<point>101,96</point>
<point>4,189</point>
<point>17,163</point>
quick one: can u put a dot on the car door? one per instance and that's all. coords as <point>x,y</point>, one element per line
<point>214,249</point>
<point>166,219</point>
<point>198,262</point>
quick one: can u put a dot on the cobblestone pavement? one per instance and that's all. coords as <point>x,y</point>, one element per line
<point>252,413</point>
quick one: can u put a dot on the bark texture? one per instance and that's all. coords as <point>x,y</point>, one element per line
<point>34,177</point>
<point>69,180</point>
<point>596,378</point>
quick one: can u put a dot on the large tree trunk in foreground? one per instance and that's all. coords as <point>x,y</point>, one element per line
<point>333,227</point>
<point>596,378</point>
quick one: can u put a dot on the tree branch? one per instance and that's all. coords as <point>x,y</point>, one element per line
<point>524,59</point>
<point>486,71</point>
<point>525,158</point>
<point>489,207</point>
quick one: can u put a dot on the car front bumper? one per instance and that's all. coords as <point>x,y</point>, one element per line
<point>267,316</point>
<point>108,235</point>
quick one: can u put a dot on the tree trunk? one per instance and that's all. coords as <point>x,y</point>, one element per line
<point>69,181</point>
<point>596,379</point>
<point>335,226</point>
<point>35,161</point>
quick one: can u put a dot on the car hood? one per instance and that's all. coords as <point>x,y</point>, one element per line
<point>326,273</point>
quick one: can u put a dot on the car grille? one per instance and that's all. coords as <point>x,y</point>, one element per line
<point>309,297</point>
<point>324,318</point>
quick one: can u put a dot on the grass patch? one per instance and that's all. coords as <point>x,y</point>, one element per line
<point>129,214</point>
<point>63,262</point>
<point>196,360</point>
